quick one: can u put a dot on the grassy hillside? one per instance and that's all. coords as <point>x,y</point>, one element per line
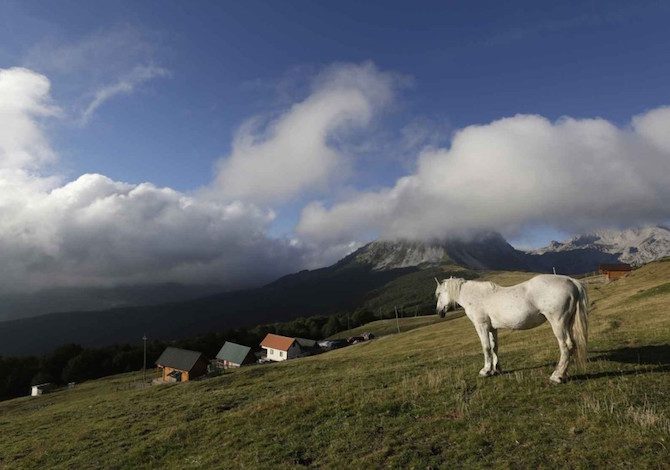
<point>413,292</point>
<point>425,292</point>
<point>412,399</point>
<point>389,327</point>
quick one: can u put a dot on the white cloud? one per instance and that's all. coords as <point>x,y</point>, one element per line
<point>96,231</point>
<point>522,171</point>
<point>24,99</point>
<point>296,153</point>
<point>124,86</point>
<point>572,174</point>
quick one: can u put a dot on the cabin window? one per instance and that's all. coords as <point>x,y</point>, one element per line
<point>281,353</point>
<point>271,351</point>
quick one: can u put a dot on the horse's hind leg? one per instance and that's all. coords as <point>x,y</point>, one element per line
<point>493,340</point>
<point>565,344</point>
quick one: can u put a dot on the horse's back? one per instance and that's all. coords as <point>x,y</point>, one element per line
<point>552,293</point>
<point>551,282</point>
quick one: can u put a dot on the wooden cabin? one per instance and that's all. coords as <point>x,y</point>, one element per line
<point>282,348</point>
<point>234,355</point>
<point>614,271</point>
<point>181,365</point>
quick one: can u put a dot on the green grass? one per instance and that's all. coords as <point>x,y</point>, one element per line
<point>413,293</point>
<point>389,327</point>
<point>408,400</point>
<point>658,290</point>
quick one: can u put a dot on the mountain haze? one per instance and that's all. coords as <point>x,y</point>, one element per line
<point>379,277</point>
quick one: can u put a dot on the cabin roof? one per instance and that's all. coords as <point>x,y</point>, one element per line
<point>233,352</point>
<point>178,358</point>
<point>615,267</point>
<point>282,343</point>
<point>46,384</point>
<point>306,343</point>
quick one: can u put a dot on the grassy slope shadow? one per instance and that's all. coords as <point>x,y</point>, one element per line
<point>655,357</point>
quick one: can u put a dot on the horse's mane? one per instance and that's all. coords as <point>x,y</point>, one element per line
<point>490,284</point>
<point>452,286</point>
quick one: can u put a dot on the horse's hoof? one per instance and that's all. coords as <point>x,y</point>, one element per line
<point>556,379</point>
<point>485,373</point>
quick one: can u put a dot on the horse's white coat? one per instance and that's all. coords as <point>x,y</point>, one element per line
<point>559,299</point>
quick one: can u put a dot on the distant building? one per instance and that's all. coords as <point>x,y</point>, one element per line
<point>181,365</point>
<point>37,390</point>
<point>330,344</point>
<point>614,271</point>
<point>282,348</point>
<point>234,355</point>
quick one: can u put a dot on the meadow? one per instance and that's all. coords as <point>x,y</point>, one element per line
<point>412,399</point>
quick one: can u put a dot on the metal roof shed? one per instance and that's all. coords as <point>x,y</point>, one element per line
<point>233,354</point>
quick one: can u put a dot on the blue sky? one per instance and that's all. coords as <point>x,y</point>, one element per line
<point>196,72</point>
<point>467,65</point>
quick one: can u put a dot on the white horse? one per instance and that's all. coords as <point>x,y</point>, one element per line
<point>559,299</point>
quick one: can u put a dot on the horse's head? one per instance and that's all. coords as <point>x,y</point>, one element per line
<point>447,294</point>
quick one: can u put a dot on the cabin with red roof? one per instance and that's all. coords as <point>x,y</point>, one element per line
<point>614,271</point>
<point>281,348</point>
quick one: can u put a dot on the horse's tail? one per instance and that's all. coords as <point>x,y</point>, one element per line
<point>580,324</point>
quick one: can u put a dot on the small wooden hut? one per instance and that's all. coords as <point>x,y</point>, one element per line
<point>614,271</point>
<point>181,365</point>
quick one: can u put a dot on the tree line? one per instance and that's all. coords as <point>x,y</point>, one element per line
<point>74,363</point>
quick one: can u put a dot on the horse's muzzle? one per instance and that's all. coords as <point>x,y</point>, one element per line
<point>443,311</point>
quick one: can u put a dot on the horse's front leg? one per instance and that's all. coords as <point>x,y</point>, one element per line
<point>483,330</point>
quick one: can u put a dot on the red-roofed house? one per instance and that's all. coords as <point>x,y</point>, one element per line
<point>281,348</point>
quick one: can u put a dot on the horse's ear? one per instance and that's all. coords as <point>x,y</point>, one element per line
<point>438,282</point>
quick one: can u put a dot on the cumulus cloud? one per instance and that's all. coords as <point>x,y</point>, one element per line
<point>516,172</point>
<point>24,99</point>
<point>96,231</point>
<point>296,152</point>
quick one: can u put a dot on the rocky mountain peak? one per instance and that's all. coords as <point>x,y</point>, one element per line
<point>384,255</point>
<point>634,245</point>
<point>486,250</point>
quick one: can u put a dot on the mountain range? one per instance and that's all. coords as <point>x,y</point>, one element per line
<point>490,251</point>
<point>634,246</point>
<point>379,276</point>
